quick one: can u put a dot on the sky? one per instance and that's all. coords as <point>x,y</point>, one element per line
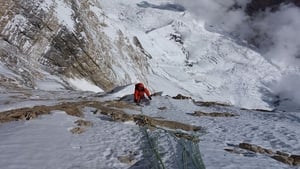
<point>275,34</point>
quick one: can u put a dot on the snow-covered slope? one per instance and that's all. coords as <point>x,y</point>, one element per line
<point>114,43</point>
<point>52,52</point>
<point>187,57</point>
<point>47,141</point>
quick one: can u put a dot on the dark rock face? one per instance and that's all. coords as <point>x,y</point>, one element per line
<point>168,6</point>
<point>258,5</point>
<point>85,52</point>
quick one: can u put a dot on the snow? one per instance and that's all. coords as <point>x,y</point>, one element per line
<point>47,140</point>
<point>223,69</point>
<point>65,14</point>
<point>275,130</point>
<point>46,5</point>
<point>127,90</point>
<point>28,145</point>
<point>6,72</point>
<point>11,99</point>
<point>82,84</point>
<point>49,85</point>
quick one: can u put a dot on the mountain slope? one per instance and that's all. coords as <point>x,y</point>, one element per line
<point>55,54</point>
<point>114,43</point>
<point>111,133</point>
<point>67,38</point>
<point>188,56</point>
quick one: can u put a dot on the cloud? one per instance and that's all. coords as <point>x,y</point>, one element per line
<point>288,87</point>
<point>283,29</point>
<point>217,11</point>
<point>275,33</point>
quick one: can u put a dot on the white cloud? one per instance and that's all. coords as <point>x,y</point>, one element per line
<point>288,87</point>
<point>277,34</point>
<point>217,11</point>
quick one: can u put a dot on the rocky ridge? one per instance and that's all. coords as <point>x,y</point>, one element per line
<point>73,47</point>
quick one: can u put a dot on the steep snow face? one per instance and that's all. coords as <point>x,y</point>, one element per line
<point>188,58</point>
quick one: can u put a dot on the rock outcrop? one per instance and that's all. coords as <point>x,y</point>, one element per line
<point>67,38</point>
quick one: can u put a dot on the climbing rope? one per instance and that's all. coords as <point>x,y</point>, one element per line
<point>190,155</point>
<point>154,148</point>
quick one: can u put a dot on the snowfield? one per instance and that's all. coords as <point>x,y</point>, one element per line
<point>188,57</point>
<point>178,53</point>
<point>48,142</point>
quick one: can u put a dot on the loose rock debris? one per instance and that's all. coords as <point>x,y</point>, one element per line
<point>181,97</point>
<point>83,123</point>
<point>109,108</point>
<point>290,159</point>
<point>77,130</point>
<point>71,108</point>
<point>213,114</point>
<point>210,104</point>
<point>82,126</point>
<point>162,108</point>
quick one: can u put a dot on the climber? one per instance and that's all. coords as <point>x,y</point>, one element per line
<point>139,94</point>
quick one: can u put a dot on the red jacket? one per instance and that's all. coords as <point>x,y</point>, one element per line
<point>139,92</point>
